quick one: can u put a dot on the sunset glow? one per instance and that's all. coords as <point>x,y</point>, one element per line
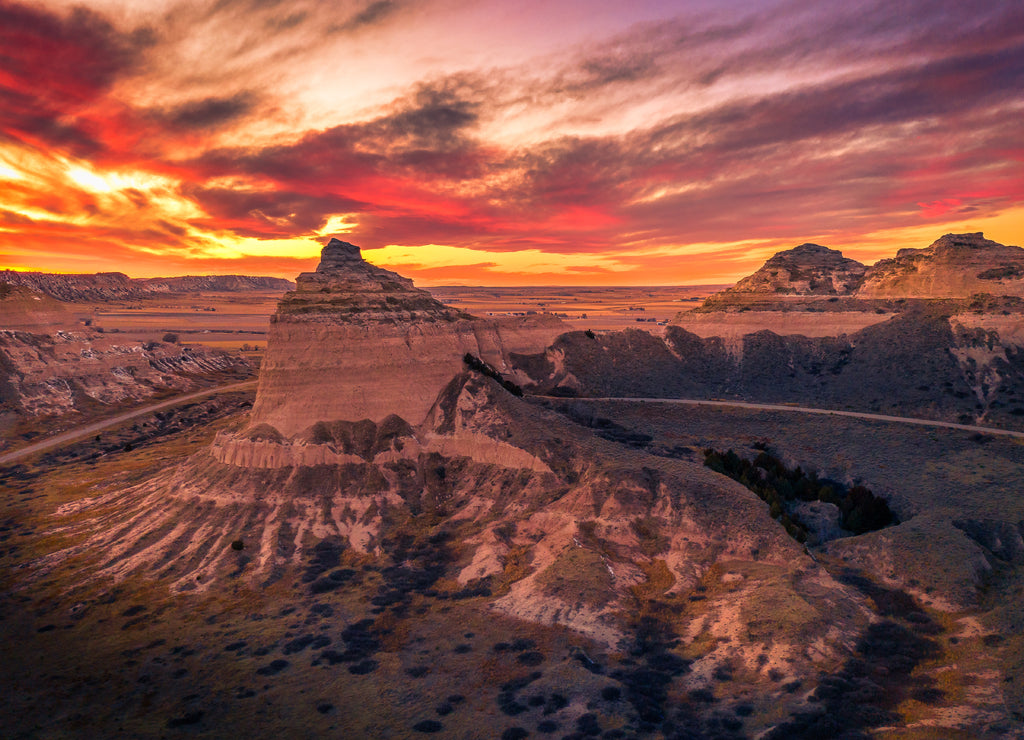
<point>486,142</point>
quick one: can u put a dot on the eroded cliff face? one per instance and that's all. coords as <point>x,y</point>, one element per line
<point>367,424</point>
<point>116,286</point>
<point>54,374</point>
<point>355,341</point>
<point>930,363</point>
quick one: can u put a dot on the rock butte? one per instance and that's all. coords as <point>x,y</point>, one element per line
<point>355,341</point>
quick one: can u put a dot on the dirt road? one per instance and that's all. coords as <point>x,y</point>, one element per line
<point>90,429</point>
<point>808,410</point>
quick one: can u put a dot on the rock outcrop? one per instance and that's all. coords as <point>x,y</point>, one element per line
<point>61,373</point>
<point>924,363</point>
<point>214,284</point>
<point>116,286</point>
<point>954,266</point>
<point>556,525</point>
<point>355,341</point>
<point>367,422</point>
<point>808,269</point>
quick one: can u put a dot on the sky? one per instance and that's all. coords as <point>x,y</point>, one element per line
<point>587,142</point>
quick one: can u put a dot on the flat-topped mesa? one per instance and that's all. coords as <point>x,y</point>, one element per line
<point>809,269</point>
<point>347,288</point>
<point>354,341</point>
<point>953,266</point>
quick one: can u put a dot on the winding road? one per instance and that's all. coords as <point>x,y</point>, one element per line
<point>82,432</point>
<point>809,410</point>
<point>89,429</point>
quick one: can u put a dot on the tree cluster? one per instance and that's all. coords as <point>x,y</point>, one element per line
<point>862,511</point>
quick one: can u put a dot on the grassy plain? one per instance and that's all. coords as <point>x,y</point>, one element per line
<point>582,307</point>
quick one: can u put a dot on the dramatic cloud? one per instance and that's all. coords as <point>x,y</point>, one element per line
<point>596,142</point>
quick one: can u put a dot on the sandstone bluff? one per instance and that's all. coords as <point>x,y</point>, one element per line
<point>355,341</point>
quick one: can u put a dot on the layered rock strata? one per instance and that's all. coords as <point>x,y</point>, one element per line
<point>954,266</point>
<point>562,527</point>
<point>355,341</point>
<point>808,269</point>
<point>116,286</point>
<point>925,364</point>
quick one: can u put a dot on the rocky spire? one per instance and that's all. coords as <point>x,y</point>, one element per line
<point>339,255</point>
<point>347,289</point>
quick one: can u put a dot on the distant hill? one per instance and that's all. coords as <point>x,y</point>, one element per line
<point>23,308</point>
<point>809,269</point>
<point>216,283</point>
<point>107,286</point>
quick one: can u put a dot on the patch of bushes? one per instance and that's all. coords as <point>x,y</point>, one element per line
<point>862,511</point>
<point>478,365</point>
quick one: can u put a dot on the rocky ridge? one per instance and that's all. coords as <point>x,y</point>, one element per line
<point>113,286</point>
<point>962,369</point>
<point>954,266</point>
<point>557,525</point>
<point>513,485</point>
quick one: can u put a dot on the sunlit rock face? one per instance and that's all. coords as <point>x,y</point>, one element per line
<point>954,266</point>
<point>808,269</point>
<point>354,341</point>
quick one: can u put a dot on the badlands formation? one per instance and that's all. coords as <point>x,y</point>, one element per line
<point>954,266</point>
<point>114,286</point>
<point>367,423</point>
<point>53,376</point>
<point>382,479</point>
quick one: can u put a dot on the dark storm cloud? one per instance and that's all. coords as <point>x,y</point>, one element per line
<point>56,65</point>
<point>209,113</point>
<point>268,214</point>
